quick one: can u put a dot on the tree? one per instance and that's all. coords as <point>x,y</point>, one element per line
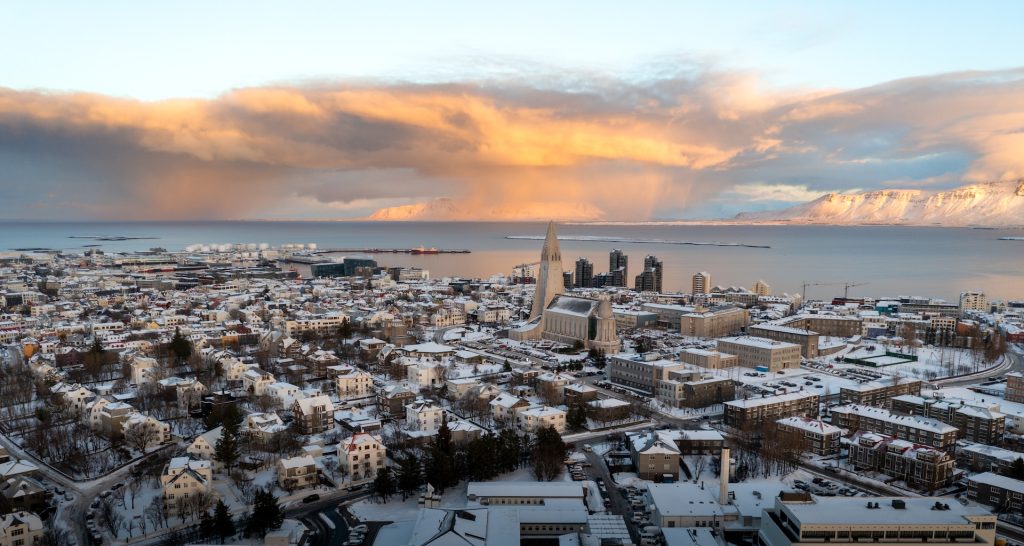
<point>345,331</point>
<point>409,475</point>
<point>140,435</point>
<point>441,461</point>
<point>1016,469</point>
<point>266,514</point>
<point>180,347</point>
<point>384,484</point>
<point>548,454</point>
<point>223,525</point>
<point>576,417</point>
<point>227,450</point>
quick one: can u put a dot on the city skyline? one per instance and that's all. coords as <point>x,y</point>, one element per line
<point>475,125</point>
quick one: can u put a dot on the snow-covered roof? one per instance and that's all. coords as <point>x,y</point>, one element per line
<point>997,480</point>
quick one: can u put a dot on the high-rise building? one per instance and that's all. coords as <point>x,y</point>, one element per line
<point>645,282</point>
<point>973,301</point>
<point>650,279</point>
<point>584,273</point>
<point>618,267</point>
<point>567,279</point>
<point>549,279</point>
<point>762,288</point>
<point>701,283</point>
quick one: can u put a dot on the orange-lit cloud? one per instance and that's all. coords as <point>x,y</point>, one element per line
<point>604,149</point>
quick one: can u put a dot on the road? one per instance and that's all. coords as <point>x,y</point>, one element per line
<point>1014,362</point>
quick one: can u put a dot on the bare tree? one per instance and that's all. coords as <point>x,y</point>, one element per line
<point>140,435</point>
<point>109,515</point>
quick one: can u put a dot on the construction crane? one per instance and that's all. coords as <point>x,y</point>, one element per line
<point>846,287</point>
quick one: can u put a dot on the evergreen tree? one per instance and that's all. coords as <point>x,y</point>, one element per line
<point>576,417</point>
<point>345,331</point>
<point>548,454</point>
<point>384,484</point>
<point>227,451</point>
<point>506,367</point>
<point>206,525</point>
<point>1016,469</point>
<point>223,525</point>
<point>409,475</point>
<point>179,346</point>
<point>266,514</point>
<point>97,346</point>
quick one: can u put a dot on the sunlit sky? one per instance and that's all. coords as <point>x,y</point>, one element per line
<point>337,109</point>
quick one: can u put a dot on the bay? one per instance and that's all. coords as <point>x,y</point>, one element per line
<point>893,260</point>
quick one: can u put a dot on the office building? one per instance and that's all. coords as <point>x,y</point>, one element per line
<point>806,520</point>
<point>758,352</point>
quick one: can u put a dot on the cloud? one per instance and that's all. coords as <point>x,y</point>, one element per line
<point>786,193</point>
<point>628,149</point>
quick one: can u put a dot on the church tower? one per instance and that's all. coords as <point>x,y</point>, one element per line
<point>606,339</point>
<point>549,279</point>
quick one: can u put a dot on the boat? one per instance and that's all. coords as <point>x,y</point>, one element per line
<point>421,250</point>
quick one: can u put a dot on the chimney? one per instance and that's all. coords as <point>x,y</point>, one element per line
<point>723,478</point>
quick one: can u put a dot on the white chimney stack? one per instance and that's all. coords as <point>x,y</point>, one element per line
<point>723,478</point>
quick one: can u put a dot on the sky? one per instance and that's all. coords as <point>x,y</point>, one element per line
<point>476,110</point>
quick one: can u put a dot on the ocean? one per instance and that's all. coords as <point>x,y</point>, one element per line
<point>892,260</point>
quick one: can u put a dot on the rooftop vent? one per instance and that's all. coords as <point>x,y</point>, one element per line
<point>899,504</point>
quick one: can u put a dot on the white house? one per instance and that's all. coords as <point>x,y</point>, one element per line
<point>423,415</point>
<point>297,472</point>
<point>361,456</point>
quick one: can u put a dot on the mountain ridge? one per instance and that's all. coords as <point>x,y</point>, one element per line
<point>995,204</point>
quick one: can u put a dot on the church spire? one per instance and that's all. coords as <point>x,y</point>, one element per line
<point>551,251</point>
<point>549,278</point>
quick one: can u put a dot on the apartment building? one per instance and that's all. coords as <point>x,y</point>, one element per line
<point>754,412</point>
<point>297,473</point>
<point>999,492</point>
<point>975,422</point>
<point>826,325</point>
<point>879,392</point>
<point>655,455</point>
<point>536,418</point>
<point>351,382</point>
<point>21,529</point>
<point>361,457</point>
<point>322,325</point>
<point>759,352</point>
<point>1015,387</point>
<point>183,478</point>
<point>985,458</point>
<point>920,467</point>
<point>913,428</point>
<point>818,437</point>
<point>423,416</point>
<point>314,415</point>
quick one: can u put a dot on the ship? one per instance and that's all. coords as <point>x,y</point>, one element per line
<point>421,250</point>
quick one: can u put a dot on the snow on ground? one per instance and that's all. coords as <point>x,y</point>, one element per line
<point>629,479</point>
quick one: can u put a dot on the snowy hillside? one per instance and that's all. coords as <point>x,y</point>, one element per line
<point>984,204</point>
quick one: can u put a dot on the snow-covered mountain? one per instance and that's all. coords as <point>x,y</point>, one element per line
<point>984,204</point>
<point>444,209</point>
